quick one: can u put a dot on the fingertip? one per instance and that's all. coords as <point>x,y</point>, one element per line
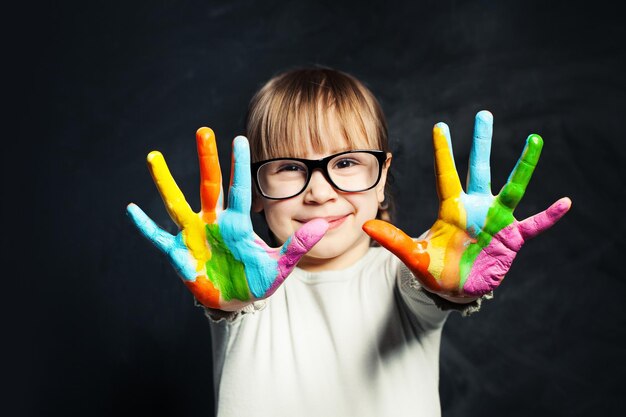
<point>204,133</point>
<point>240,140</point>
<point>241,149</point>
<point>154,156</point>
<point>315,227</point>
<point>484,116</point>
<point>319,224</point>
<point>566,202</point>
<point>535,140</point>
<point>131,208</point>
<point>562,206</point>
<point>135,213</point>
<point>311,232</point>
<point>370,225</point>
<point>441,128</point>
<point>441,134</point>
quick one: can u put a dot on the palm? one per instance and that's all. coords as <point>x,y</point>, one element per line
<point>216,253</point>
<point>471,246</point>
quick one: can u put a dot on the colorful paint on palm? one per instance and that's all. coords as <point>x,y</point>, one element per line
<point>217,253</point>
<point>475,239</point>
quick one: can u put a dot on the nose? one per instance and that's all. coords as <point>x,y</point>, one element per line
<point>319,189</point>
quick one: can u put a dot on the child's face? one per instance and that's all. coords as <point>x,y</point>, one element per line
<point>345,242</point>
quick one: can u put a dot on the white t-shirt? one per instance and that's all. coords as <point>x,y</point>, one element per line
<point>362,341</point>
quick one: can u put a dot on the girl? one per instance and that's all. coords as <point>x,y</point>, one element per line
<point>356,328</point>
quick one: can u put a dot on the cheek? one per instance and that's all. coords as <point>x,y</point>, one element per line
<point>366,205</point>
<point>278,215</point>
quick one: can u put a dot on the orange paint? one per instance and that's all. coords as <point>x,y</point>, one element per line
<point>454,250</point>
<point>204,291</point>
<point>414,254</point>
<point>210,173</point>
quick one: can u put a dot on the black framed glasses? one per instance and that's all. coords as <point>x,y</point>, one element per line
<point>349,171</point>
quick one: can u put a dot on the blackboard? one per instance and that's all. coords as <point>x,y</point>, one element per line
<point>98,322</point>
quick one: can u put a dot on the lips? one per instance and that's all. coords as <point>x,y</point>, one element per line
<point>333,221</point>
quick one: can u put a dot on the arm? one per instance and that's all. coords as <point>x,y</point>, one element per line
<point>472,244</point>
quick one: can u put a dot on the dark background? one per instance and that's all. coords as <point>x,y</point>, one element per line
<point>96,321</point>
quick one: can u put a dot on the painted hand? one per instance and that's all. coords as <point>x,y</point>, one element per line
<point>217,254</point>
<point>471,246</point>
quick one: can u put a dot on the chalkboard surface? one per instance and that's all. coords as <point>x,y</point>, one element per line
<point>98,323</point>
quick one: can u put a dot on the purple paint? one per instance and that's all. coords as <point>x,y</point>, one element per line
<point>494,261</point>
<point>297,246</point>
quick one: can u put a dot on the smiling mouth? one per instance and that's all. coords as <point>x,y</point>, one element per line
<point>333,222</point>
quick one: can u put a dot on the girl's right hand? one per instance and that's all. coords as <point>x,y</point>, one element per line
<point>217,254</point>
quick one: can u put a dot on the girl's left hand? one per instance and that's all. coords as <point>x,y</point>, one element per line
<point>471,246</point>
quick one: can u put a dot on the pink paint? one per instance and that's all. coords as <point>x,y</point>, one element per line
<point>536,224</point>
<point>495,260</point>
<point>271,252</point>
<point>300,243</point>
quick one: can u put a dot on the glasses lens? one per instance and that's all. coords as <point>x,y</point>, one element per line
<point>354,171</point>
<point>281,179</point>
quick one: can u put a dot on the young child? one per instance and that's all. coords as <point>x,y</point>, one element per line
<point>328,324</point>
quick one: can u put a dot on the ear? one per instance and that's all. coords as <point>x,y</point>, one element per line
<point>380,188</point>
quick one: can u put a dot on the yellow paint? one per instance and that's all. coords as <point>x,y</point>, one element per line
<point>448,236</point>
<point>436,251</point>
<point>448,183</point>
<point>191,223</point>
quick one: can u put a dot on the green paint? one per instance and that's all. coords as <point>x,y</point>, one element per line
<point>500,214</point>
<point>225,272</point>
<point>514,189</point>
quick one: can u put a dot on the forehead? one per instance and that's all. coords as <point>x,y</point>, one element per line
<point>326,134</point>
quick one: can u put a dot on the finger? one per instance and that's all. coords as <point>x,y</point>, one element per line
<point>479,173</point>
<point>448,183</point>
<point>159,237</point>
<point>413,254</point>
<point>240,192</point>
<point>390,237</point>
<point>540,222</point>
<point>174,200</point>
<point>296,247</point>
<point>210,173</point>
<point>303,240</point>
<point>515,187</point>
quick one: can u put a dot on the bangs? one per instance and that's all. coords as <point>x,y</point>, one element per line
<point>315,112</point>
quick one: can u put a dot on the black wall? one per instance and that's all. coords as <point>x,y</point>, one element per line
<point>98,324</point>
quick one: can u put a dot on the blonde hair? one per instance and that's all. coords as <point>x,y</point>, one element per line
<point>285,116</point>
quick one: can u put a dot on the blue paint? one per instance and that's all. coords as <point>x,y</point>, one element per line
<point>182,260</point>
<point>476,208</point>
<point>479,175</point>
<point>285,247</point>
<point>236,226</point>
<point>239,194</point>
<point>173,247</point>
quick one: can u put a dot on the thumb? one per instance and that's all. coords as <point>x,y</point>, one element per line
<point>389,236</point>
<point>540,222</point>
<point>413,254</point>
<point>159,237</point>
<point>296,247</point>
<point>301,242</point>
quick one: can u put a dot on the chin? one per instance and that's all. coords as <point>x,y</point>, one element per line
<point>334,248</point>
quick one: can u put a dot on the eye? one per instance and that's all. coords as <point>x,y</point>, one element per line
<point>289,167</point>
<point>345,163</point>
